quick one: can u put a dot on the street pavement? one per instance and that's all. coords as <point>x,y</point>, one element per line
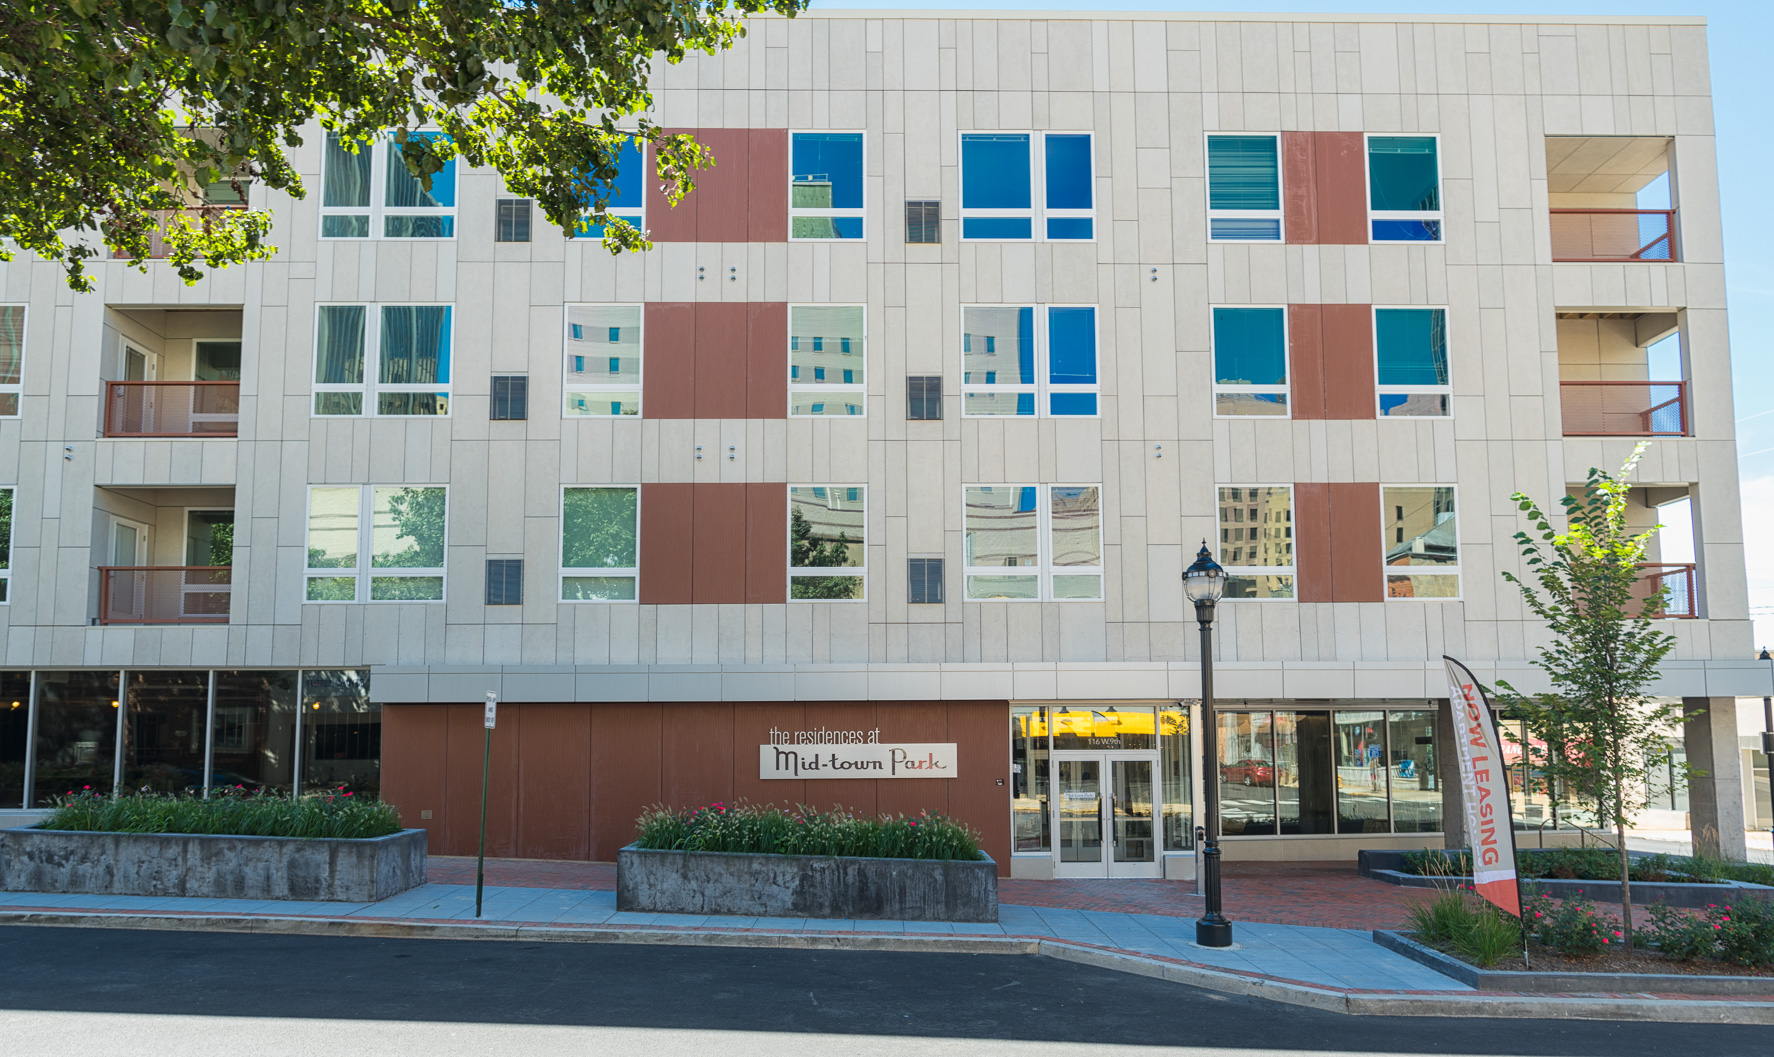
<point>159,993</point>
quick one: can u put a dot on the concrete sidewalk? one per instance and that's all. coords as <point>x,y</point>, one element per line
<point>1327,968</point>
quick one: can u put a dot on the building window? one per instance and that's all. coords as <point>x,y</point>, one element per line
<point>1027,185</point>
<point>377,543</point>
<point>1422,542</point>
<point>1411,361</point>
<point>827,360</point>
<point>505,581</point>
<point>1250,362</point>
<point>628,195</point>
<point>1175,768</point>
<point>1257,540</point>
<point>1051,535</point>
<point>1404,189</point>
<point>923,397</point>
<point>1031,820</point>
<point>1243,188</point>
<point>826,532</point>
<point>1015,359</point>
<point>368,190</point>
<point>602,360</point>
<point>411,371</point>
<point>513,220</point>
<point>825,190</point>
<point>511,397</point>
<point>6,497</point>
<point>12,359</point>
<point>923,221</point>
<point>600,544</point>
<point>924,581</point>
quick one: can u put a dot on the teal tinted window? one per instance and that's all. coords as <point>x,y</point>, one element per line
<point>1249,346</point>
<point>995,173</point>
<point>1411,346</point>
<point>1071,346</point>
<point>1243,172</point>
<point>1402,174</point>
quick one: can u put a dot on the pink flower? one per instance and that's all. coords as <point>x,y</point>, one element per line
<point>347,794</point>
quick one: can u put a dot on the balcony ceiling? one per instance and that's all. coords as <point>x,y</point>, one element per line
<point>1604,164</point>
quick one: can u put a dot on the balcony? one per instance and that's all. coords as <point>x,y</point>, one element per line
<point>1682,602</point>
<point>157,246</point>
<point>1624,409</point>
<point>1609,197</point>
<point>165,594</point>
<point>172,409</point>
<point>1613,235</point>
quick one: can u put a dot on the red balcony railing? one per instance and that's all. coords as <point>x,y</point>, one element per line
<point>1679,578</point>
<point>1624,409</point>
<point>172,409</point>
<point>164,594</point>
<point>1613,235</point>
<point>157,247</point>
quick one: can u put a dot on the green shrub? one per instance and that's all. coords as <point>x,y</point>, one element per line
<point>232,812</point>
<point>1466,925</point>
<point>1596,864</point>
<point>1571,925</point>
<point>772,830</point>
<point>1741,933</point>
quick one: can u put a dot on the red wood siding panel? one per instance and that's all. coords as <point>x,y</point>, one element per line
<point>766,373</point>
<point>462,793</point>
<point>667,518</point>
<point>1312,543</point>
<point>698,769</point>
<point>666,223</point>
<point>724,189</point>
<point>767,210</point>
<point>415,766</point>
<point>717,565</point>
<point>668,361</point>
<point>554,783</point>
<point>766,543</point>
<point>752,724</point>
<point>981,733</point>
<point>1356,543</point>
<point>1299,187</point>
<point>1342,188</point>
<point>1349,361</point>
<point>1305,350</point>
<point>913,721</point>
<point>721,359</point>
<point>626,746</point>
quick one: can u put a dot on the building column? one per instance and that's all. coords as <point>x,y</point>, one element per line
<point>1447,766</point>
<point>1715,791</point>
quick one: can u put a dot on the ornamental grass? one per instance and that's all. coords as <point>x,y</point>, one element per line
<point>236,811</point>
<point>770,830</point>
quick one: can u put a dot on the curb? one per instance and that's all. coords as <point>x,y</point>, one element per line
<point>1638,1007</point>
<point>1560,983</point>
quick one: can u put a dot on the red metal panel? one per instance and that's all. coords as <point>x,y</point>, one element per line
<point>766,543</point>
<point>664,222</point>
<point>415,759</point>
<point>980,731</point>
<point>1299,187</point>
<point>1342,188</point>
<point>626,745</point>
<point>554,781</point>
<point>752,724</point>
<point>717,564</point>
<point>767,210</point>
<point>913,721</point>
<point>697,767</point>
<point>1305,351</point>
<point>668,364</point>
<point>667,514</point>
<point>723,189</point>
<point>1358,550</point>
<point>1349,362</point>
<point>766,376</point>
<point>721,359</point>
<point>1312,544</point>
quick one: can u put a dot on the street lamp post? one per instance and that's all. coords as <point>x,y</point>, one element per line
<point>1203,583</point>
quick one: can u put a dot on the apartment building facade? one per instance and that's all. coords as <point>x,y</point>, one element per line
<point>895,445</point>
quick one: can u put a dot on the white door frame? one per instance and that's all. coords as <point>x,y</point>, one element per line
<point>1107,866</point>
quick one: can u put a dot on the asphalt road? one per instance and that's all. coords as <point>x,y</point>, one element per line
<point>149,994</point>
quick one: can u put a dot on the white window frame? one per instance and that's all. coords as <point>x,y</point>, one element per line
<point>1439,216</point>
<point>366,532</point>
<point>1043,570</point>
<point>634,572</point>
<point>24,335</point>
<point>6,573</point>
<point>1043,386</point>
<point>569,386</point>
<point>1277,215</point>
<point>1257,570</point>
<point>1386,544</point>
<point>1287,360</point>
<point>1038,213</point>
<point>635,215</point>
<point>831,570</point>
<point>794,211</point>
<point>1409,390</point>
<point>370,387</point>
<point>378,209</point>
<point>857,391</point>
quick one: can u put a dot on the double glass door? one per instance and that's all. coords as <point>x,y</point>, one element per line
<point>1105,816</point>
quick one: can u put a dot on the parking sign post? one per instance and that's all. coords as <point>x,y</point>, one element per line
<point>486,759</point>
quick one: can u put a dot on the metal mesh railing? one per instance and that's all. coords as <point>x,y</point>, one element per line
<point>1624,409</point>
<point>1613,235</point>
<point>172,409</point>
<point>165,594</point>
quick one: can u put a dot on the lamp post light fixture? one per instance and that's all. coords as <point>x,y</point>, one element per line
<point>1203,583</point>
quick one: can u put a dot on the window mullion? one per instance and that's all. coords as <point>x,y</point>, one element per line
<point>366,530</point>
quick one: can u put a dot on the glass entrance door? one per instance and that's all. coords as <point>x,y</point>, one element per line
<point>1105,814</point>
<point>1132,809</point>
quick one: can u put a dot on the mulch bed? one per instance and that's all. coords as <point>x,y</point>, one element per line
<point>1549,960</point>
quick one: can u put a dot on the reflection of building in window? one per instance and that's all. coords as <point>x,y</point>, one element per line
<point>825,195</point>
<point>603,360</point>
<point>1257,541</point>
<point>1051,535</point>
<point>1422,533</point>
<point>827,531</point>
<point>827,360</point>
<point>1250,361</point>
<point>1411,361</point>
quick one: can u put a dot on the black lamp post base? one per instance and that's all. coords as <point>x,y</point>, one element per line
<point>1209,933</point>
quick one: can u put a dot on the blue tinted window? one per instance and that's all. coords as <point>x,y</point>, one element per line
<point>1249,346</point>
<point>615,365</point>
<point>1071,403</point>
<point>1025,350</point>
<point>1243,172</point>
<point>628,191</point>
<point>578,331</point>
<point>1025,500</point>
<point>1407,231</point>
<point>1253,228</point>
<point>997,227</point>
<point>827,171</point>
<point>995,174</point>
<point>1402,174</point>
<point>403,188</point>
<point>1069,228</point>
<point>849,377</point>
<point>794,370</point>
<point>1411,346</point>
<point>1068,171</point>
<point>615,334</point>
<point>1025,405</point>
<point>818,344</point>
<point>1071,346</point>
<point>578,365</point>
<point>819,409</point>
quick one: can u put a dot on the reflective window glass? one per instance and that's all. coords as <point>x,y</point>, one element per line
<point>1360,744</point>
<point>826,531</point>
<point>341,734</point>
<point>995,171</point>
<point>255,730</point>
<point>1030,821</point>
<point>1422,542</point>
<point>15,718</point>
<point>164,731</point>
<point>1176,768</point>
<point>76,750</point>
<point>1246,748</point>
<point>1415,781</point>
<point>1104,727</point>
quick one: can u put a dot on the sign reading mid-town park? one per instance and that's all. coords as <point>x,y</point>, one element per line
<point>852,754</point>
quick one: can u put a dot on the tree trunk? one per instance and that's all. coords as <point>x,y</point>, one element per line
<point>1625,868</point>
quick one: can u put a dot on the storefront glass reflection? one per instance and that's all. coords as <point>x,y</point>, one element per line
<point>1029,816</point>
<point>1416,787</point>
<point>1175,763</point>
<point>1106,727</point>
<point>163,743</point>
<point>1361,771</point>
<point>76,748</point>
<point>255,732</point>
<point>1246,743</point>
<point>15,726</point>
<point>1303,777</point>
<point>341,733</point>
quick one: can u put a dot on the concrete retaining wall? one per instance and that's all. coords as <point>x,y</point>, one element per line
<point>218,867</point>
<point>814,886</point>
<point>1387,866</point>
<point>1567,983</point>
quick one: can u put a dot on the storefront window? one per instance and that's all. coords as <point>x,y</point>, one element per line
<point>1416,786</point>
<point>1303,777</point>
<point>1029,817</point>
<point>1174,773</point>
<point>1106,727</point>
<point>76,748</point>
<point>1361,771</point>
<point>255,733</point>
<point>15,725</point>
<point>163,745</point>
<point>341,733</point>
<point>1247,773</point>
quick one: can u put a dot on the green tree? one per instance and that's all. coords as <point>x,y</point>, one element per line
<point>114,110</point>
<point>1599,732</point>
<point>599,528</point>
<point>806,551</point>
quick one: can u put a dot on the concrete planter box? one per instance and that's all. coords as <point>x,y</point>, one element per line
<point>215,867</point>
<point>813,886</point>
<point>1385,866</point>
<point>1571,983</point>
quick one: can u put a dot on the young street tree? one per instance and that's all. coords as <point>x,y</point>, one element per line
<point>115,111</point>
<point>1598,733</point>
